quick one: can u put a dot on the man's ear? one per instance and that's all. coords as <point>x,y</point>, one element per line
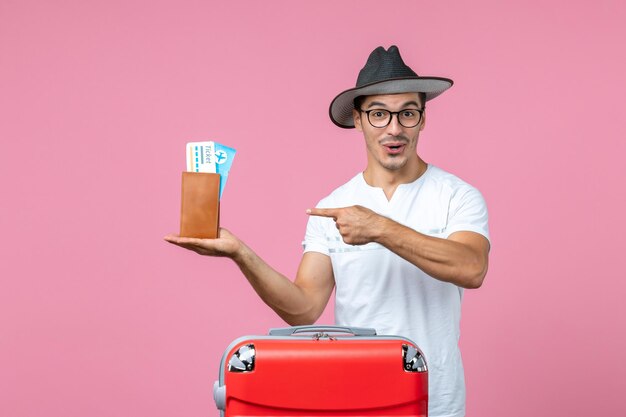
<point>423,121</point>
<point>356,116</point>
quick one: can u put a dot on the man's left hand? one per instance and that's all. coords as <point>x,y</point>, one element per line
<point>356,224</point>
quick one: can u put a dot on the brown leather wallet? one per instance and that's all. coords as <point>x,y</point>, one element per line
<point>200,205</point>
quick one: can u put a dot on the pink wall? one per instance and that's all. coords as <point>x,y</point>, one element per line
<point>100,317</point>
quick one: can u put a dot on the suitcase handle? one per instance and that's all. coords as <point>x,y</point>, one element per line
<point>356,331</point>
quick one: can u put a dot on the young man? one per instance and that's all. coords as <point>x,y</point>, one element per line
<point>400,241</point>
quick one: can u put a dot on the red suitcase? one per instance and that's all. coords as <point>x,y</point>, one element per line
<point>322,371</point>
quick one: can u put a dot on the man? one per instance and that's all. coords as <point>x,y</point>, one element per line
<point>400,241</point>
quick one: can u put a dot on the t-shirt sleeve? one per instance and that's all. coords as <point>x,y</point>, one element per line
<point>468,212</point>
<point>315,236</point>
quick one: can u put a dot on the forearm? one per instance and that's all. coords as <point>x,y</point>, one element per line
<point>288,300</point>
<point>443,259</point>
<point>299,302</point>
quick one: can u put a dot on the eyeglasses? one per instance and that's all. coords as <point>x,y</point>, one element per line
<point>381,118</point>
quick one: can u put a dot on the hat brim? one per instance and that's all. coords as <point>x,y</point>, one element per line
<point>341,107</point>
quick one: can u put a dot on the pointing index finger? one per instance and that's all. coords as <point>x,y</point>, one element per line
<point>323,212</point>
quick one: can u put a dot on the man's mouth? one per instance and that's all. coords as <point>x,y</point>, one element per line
<point>394,148</point>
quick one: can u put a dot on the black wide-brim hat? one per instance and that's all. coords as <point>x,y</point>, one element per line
<point>384,73</point>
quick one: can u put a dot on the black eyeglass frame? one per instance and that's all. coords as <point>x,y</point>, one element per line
<point>391,113</point>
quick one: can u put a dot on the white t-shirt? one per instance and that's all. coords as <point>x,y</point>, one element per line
<point>377,288</point>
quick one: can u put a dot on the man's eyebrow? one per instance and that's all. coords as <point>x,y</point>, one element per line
<point>408,103</point>
<point>378,103</point>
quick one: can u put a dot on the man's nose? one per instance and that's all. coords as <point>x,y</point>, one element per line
<point>394,127</point>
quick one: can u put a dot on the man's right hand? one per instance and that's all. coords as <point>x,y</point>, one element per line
<point>299,302</point>
<point>226,244</point>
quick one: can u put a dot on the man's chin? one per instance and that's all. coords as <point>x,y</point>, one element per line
<point>394,165</point>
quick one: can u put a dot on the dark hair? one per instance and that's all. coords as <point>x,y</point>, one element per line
<point>358,101</point>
